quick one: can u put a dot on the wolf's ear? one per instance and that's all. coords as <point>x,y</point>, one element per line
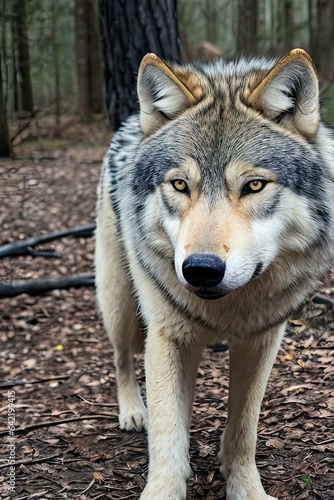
<point>290,93</point>
<point>164,92</point>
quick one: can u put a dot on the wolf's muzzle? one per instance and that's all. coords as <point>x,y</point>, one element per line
<point>203,270</point>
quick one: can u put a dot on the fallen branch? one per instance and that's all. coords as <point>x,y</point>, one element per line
<point>26,247</point>
<point>51,423</point>
<point>42,285</point>
<point>322,299</point>
<point>13,383</point>
<point>93,404</point>
<point>24,127</point>
<point>28,462</point>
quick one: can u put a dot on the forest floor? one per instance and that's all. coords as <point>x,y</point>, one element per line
<point>67,441</point>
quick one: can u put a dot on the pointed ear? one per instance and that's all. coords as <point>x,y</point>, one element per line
<point>290,93</point>
<point>164,92</point>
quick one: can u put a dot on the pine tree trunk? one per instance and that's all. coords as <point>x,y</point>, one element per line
<point>89,65</point>
<point>130,29</point>
<point>81,53</point>
<point>324,39</point>
<point>55,61</point>
<point>288,24</point>
<point>94,57</point>
<point>5,145</point>
<point>247,26</point>
<point>23,63</point>
<point>13,25</point>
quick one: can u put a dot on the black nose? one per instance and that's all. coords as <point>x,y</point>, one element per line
<point>203,270</point>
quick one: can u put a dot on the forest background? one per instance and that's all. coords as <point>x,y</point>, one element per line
<point>51,55</point>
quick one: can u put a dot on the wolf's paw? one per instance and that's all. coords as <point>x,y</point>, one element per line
<point>133,419</point>
<point>168,491</point>
<point>244,483</point>
<point>242,495</point>
<point>237,492</point>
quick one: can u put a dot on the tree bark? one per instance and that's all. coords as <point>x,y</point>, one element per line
<point>23,63</point>
<point>130,29</point>
<point>15,88</point>
<point>288,24</point>
<point>247,26</point>
<point>89,66</point>
<point>55,57</point>
<point>81,52</point>
<point>94,57</point>
<point>5,144</point>
<point>324,39</point>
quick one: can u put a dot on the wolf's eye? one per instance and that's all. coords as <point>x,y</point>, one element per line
<point>180,185</point>
<point>254,186</point>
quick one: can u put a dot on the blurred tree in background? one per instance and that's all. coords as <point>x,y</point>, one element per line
<point>88,59</point>
<point>22,89</point>
<point>51,50</point>
<point>5,144</point>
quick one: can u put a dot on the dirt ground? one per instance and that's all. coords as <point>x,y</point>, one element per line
<point>67,443</point>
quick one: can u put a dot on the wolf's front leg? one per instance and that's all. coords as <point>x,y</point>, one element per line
<point>170,381</point>
<point>251,362</point>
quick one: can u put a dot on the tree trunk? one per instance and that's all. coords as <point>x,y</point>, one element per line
<point>288,24</point>
<point>15,89</point>
<point>81,52</point>
<point>5,145</point>
<point>94,57</point>
<point>247,26</point>
<point>55,58</point>
<point>324,39</point>
<point>89,65</point>
<point>20,19</point>
<point>130,29</point>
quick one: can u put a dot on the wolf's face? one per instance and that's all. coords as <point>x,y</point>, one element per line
<point>221,239</point>
<point>231,176</point>
<point>229,215</point>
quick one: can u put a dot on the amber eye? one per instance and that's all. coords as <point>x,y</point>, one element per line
<point>180,185</point>
<point>254,186</point>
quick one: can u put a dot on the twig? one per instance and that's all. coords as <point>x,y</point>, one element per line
<point>13,383</point>
<point>25,247</point>
<point>42,285</point>
<point>94,404</point>
<point>51,423</point>
<point>86,489</point>
<point>28,462</point>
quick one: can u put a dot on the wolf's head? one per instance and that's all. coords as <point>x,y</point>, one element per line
<point>230,165</point>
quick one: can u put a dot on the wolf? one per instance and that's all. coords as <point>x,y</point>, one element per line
<point>215,220</point>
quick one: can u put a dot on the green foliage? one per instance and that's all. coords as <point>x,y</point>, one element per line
<point>281,26</point>
<point>212,20</point>
<point>81,464</point>
<point>217,22</point>
<point>51,39</point>
<point>51,32</point>
<point>306,479</point>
